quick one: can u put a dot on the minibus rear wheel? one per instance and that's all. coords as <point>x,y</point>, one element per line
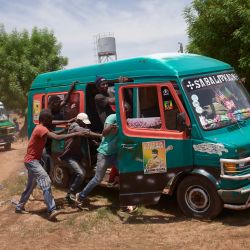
<point>60,176</point>
<point>198,197</point>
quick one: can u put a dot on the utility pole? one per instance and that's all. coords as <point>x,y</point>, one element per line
<point>180,47</point>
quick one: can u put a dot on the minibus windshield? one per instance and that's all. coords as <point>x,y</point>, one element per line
<point>218,100</point>
<point>3,114</point>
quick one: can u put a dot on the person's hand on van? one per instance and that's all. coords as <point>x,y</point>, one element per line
<point>74,84</point>
<point>114,128</point>
<point>109,129</point>
<point>123,79</point>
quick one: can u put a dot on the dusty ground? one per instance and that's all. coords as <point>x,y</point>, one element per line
<point>104,226</point>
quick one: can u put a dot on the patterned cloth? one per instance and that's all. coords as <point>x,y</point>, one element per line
<point>149,122</point>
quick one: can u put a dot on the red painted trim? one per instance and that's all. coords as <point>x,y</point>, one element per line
<point>38,97</point>
<point>82,98</point>
<point>177,100</point>
<point>152,133</point>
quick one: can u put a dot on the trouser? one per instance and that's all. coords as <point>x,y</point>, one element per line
<point>78,173</point>
<point>103,162</point>
<point>46,159</point>
<point>37,176</point>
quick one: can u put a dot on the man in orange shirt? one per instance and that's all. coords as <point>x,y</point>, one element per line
<point>36,173</point>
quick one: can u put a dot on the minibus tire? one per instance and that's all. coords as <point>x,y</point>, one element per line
<point>60,176</point>
<point>197,197</point>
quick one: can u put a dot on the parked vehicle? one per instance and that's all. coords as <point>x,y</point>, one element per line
<point>7,129</point>
<point>188,132</point>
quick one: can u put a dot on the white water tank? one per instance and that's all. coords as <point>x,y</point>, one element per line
<point>106,46</point>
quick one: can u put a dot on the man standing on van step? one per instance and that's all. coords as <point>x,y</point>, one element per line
<point>105,105</point>
<point>103,99</point>
<point>73,154</point>
<point>36,173</point>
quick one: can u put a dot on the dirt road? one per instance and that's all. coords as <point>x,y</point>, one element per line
<point>103,226</point>
<point>12,161</point>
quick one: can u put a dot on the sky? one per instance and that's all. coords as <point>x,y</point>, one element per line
<point>140,27</point>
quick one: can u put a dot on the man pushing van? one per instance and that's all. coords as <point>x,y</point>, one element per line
<point>73,154</point>
<point>36,173</point>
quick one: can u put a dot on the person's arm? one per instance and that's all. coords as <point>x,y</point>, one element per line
<point>66,99</point>
<point>54,136</point>
<point>109,129</point>
<point>102,101</point>
<point>94,135</point>
<point>94,142</point>
<point>121,79</point>
<point>60,122</point>
<point>111,100</point>
<point>58,132</point>
<point>88,132</point>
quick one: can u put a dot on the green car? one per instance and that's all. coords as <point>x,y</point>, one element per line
<point>7,129</point>
<point>187,132</point>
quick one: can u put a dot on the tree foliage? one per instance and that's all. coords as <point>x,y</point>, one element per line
<point>221,29</point>
<point>23,56</point>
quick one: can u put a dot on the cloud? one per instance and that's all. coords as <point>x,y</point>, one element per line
<point>140,27</point>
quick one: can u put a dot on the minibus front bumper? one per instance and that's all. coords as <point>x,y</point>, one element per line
<point>234,170</point>
<point>241,198</point>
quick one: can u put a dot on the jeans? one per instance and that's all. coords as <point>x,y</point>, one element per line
<point>46,160</point>
<point>37,175</point>
<point>103,162</point>
<point>78,173</point>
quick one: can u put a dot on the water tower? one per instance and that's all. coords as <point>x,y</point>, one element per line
<point>105,47</point>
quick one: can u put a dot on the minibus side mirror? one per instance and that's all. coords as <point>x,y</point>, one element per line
<point>181,123</point>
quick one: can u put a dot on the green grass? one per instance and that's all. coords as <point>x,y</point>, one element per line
<point>99,218</point>
<point>15,186</point>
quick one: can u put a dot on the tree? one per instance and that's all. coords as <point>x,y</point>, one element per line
<point>23,56</point>
<point>220,29</point>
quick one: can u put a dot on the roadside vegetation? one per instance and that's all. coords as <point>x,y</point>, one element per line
<point>220,29</point>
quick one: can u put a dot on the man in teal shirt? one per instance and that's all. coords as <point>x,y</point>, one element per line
<point>107,156</point>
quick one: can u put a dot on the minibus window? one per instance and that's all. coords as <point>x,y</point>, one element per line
<point>170,109</point>
<point>71,109</point>
<point>3,113</point>
<point>218,100</point>
<point>143,108</point>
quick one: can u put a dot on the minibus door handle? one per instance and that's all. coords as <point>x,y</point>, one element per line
<point>129,146</point>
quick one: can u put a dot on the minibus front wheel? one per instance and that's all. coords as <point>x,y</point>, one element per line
<point>198,197</point>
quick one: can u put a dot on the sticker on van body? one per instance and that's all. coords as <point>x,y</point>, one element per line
<point>36,109</point>
<point>154,157</point>
<point>210,148</point>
